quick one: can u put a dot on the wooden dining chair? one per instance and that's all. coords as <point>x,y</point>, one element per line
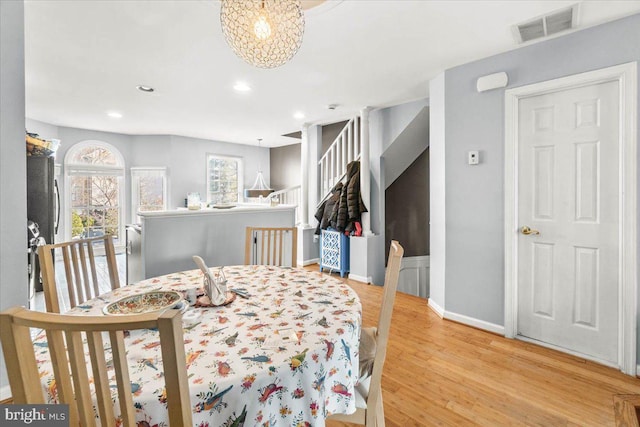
<point>74,384</point>
<point>369,407</point>
<point>269,246</point>
<point>82,276</point>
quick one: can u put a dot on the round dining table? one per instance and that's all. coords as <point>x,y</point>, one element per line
<point>283,354</point>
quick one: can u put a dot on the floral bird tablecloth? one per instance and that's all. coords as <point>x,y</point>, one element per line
<point>243,368</point>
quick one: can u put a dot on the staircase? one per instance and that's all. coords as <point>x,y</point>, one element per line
<point>333,168</point>
<point>288,196</point>
<point>344,149</point>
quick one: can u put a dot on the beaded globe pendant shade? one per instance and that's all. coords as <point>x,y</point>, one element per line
<point>264,33</point>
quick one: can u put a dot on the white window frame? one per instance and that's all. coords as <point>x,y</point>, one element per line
<point>136,174</point>
<point>71,169</point>
<point>240,162</point>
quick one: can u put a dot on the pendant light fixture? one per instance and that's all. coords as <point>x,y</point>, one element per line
<point>260,188</point>
<point>264,33</point>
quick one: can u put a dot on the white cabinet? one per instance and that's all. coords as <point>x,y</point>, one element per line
<point>334,251</point>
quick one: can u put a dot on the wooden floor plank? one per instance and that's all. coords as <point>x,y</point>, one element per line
<point>440,372</point>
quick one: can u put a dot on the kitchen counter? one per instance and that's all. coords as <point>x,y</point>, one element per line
<point>169,239</point>
<point>239,208</point>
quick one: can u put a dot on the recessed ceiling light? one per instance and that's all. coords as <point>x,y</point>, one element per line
<point>241,87</point>
<point>143,88</point>
<point>114,115</point>
<point>298,115</point>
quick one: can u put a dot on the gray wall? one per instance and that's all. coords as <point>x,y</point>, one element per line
<point>475,121</point>
<point>13,165</point>
<point>71,136</point>
<point>407,146</point>
<point>437,193</point>
<point>285,166</point>
<point>187,164</point>
<point>386,125</point>
<point>185,159</point>
<point>45,130</point>
<point>330,133</point>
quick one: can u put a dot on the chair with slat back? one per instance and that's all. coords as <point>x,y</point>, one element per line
<point>369,408</point>
<point>80,270</point>
<point>65,336</point>
<point>270,245</point>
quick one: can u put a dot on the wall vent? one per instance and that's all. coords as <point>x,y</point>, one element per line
<point>547,25</point>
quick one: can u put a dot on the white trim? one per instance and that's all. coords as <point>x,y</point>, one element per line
<point>638,371</point>
<point>5,392</point>
<point>91,143</point>
<point>566,350</point>
<point>510,215</point>
<point>436,308</point>
<point>73,169</point>
<point>309,262</point>
<point>628,295</point>
<point>626,75</point>
<point>359,278</point>
<point>476,323</point>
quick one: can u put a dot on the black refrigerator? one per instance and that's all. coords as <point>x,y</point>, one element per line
<point>43,203</point>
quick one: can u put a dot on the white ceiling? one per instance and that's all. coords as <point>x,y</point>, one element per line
<point>85,58</point>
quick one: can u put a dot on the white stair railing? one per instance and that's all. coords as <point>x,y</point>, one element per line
<point>344,149</point>
<point>288,196</point>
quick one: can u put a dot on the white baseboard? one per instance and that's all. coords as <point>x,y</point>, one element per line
<point>309,262</point>
<point>5,392</point>
<point>638,371</point>
<point>476,323</point>
<point>360,278</point>
<point>466,320</point>
<point>436,308</point>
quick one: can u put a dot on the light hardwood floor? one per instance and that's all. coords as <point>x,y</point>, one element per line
<point>440,372</point>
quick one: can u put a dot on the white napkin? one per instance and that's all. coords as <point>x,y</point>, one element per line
<point>218,296</point>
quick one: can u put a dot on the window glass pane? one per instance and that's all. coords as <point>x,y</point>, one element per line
<point>80,220</point>
<point>95,192</point>
<point>222,184</point>
<point>79,191</point>
<point>151,193</point>
<point>110,224</point>
<point>104,190</point>
<point>95,155</point>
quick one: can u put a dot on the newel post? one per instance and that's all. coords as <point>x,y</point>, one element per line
<point>365,170</point>
<point>304,181</point>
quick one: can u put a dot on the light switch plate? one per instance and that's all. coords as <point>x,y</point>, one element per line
<point>473,157</point>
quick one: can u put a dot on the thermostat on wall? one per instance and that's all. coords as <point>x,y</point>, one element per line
<point>473,157</point>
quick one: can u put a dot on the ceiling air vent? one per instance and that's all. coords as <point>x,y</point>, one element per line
<point>544,26</point>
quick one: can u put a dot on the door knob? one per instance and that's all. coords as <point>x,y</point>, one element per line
<point>527,230</point>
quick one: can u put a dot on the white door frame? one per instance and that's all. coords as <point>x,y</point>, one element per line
<point>626,75</point>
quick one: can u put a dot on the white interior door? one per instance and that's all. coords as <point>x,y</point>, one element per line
<point>568,191</point>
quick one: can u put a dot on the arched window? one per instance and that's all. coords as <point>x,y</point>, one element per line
<point>94,191</point>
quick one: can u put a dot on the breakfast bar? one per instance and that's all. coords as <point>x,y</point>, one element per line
<point>165,241</point>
